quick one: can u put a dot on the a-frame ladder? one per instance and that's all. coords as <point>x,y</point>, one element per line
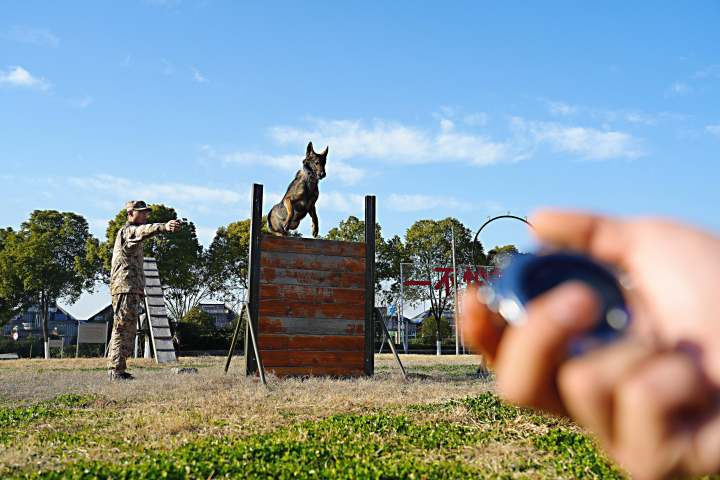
<point>159,324</point>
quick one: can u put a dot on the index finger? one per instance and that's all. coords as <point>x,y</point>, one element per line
<point>602,237</point>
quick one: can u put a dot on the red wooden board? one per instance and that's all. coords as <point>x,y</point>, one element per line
<point>271,243</point>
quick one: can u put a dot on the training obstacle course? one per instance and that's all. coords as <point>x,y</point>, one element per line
<point>310,302</point>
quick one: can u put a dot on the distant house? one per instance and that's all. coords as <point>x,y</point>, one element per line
<point>104,315</point>
<point>221,313</point>
<point>29,322</point>
<point>448,314</point>
<point>391,322</point>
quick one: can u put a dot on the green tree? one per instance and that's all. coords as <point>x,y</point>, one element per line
<point>203,322</point>
<point>428,245</point>
<point>49,256</point>
<point>353,230</point>
<point>12,294</point>
<point>228,261</point>
<point>497,255</point>
<point>433,330</point>
<point>390,255</point>
<point>181,261</point>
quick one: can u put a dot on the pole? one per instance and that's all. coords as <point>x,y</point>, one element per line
<point>234,338</point>
<point>457,330</point>
<point>401,312</point>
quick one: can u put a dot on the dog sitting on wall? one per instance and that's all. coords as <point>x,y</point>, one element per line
<point>301,196</point>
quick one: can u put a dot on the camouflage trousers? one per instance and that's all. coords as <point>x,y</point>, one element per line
<point>127,308</point>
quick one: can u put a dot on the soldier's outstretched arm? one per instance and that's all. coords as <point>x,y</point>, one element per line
<point>137,233</point>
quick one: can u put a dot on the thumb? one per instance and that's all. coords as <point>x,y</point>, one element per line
<point>530,353</point>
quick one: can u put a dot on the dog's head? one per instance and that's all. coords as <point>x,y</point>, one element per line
<point>315,162</point>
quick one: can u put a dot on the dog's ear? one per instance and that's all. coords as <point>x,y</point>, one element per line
<point>324,152</point>
<point>309,150</point>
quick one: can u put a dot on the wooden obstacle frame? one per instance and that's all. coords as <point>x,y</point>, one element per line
<point>310,302</point>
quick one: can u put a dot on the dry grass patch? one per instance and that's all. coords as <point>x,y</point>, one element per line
<point>163,410</point>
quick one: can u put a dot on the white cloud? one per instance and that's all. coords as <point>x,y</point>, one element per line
<point>588,143</point>
<point>417,202</point>
<point>560,108</point>
<point>197,76</point>
<point>394,142</point>
<point>479,119</point>
<point>350,138</point>
<point>639,117</point>
<point>341,202</point>
<point>187,194</point>
<point>713,130</point>
<point>678,88</point>
<point>81,103</point>
<point>205,235</point>
<point>288,163</point>
<point>711,71</point>
<point>33,36</point>
<point>19,77</point>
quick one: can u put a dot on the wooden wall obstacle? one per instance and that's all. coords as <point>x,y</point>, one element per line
<point>311,301</point>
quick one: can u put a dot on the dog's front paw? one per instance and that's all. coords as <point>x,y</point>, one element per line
<point>315,231</point>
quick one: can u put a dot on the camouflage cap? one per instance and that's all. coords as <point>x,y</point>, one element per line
<point>137,205</point>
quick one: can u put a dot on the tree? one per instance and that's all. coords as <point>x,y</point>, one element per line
<point>228,261</point>
<point>390,255</point>
<point>433,330</point>
<point>12,294</point>
<point>49,256</point>
<point>428,245</point>
<point>498,255</point>
<point>203,322</point>
<point>181,261</point>
<point>353,230</point>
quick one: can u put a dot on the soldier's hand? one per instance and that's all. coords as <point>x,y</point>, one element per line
<point>173,225</point>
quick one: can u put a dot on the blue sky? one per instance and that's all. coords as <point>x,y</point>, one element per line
<point>468,109</point>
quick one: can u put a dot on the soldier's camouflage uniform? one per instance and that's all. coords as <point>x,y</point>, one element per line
<point>127,286</point>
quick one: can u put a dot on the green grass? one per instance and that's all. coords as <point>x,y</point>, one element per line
<point>59,406</point>
<point>419,443</point>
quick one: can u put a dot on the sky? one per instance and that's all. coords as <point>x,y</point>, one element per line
<point>465,109</point>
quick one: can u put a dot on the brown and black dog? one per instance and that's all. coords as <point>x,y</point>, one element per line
<point>301,196</point>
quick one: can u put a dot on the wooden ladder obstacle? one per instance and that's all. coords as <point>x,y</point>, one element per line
<point>311,302</point>
<point>156,315</point>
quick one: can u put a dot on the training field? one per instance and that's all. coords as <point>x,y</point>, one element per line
<point>63,419</point>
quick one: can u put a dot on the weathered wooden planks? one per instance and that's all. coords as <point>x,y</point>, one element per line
<point>297,358</point>
<point>308,300</point>
<point>303,261</point>
<point>271,243</point>
<point>314,371</point>
<point>310,326</point>
<point>305,293</point>
<point>281,308</point>
<point>312,342</point>
<point>317,278</point>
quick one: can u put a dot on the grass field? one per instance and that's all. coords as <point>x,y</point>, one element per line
<point>63,419</point>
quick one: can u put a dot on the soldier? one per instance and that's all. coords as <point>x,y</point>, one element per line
<point>127,283</point>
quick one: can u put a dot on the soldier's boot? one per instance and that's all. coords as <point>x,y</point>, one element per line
<point>114,375</point>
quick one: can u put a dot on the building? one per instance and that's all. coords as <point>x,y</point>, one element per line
<point>448,314</point>
<point>391,322</point>
<point>221,313</point>
<point>29,323</point>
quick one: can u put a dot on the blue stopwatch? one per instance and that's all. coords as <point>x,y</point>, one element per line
<point>527,276</point>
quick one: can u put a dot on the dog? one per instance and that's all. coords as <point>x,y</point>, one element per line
<point>301,196</point>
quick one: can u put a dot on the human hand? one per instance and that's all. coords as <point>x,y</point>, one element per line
<point>650,397</point>
<point>173,225</point>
